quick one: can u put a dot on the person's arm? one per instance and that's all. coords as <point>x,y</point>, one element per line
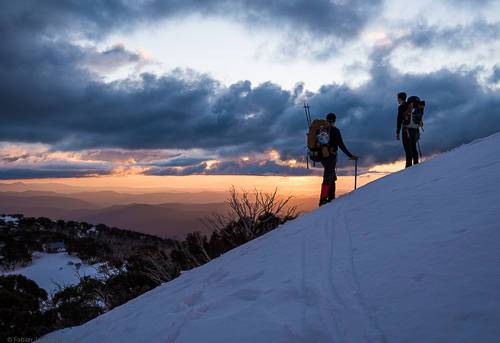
<point>342,145</point>
<point>403,112</point>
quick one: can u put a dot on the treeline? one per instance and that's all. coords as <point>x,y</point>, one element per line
<point>132,263</point>
<point>91,243</point>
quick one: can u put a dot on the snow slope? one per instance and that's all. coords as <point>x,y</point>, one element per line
<point>50,270</point>
<point>412,257</point>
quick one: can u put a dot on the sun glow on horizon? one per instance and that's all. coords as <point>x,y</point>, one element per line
<point>135,182</point>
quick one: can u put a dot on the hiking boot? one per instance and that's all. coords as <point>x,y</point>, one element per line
<point>323,198</point>
<point>331,192</point>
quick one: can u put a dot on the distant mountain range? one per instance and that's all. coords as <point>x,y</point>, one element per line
<point>169,220</point>
<point>105,197</point>
<point>168,214</point>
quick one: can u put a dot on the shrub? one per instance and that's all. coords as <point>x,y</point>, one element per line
<point>20,313</point>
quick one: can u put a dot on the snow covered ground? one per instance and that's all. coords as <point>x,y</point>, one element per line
<point>9,219</point>
<point>412,257</point>
<point>47,270</point>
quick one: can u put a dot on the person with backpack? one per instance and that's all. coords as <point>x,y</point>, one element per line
<point>409,122</point>
<point>329,156</point>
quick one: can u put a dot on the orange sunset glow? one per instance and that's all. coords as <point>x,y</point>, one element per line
<point>300,186</point>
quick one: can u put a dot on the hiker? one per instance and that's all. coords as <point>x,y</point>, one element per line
<point>330,162</point>
<point>409,129</point>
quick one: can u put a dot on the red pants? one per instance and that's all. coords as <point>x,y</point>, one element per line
<point>329,178</point>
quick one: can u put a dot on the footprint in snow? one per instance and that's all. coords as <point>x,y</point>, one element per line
<point>253,276</point>
<point>192,299</point>
<point>247,294</point>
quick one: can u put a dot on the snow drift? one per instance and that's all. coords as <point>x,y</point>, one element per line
<point>412,257</point>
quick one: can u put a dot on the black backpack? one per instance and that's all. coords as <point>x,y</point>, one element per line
<point>416,111</point>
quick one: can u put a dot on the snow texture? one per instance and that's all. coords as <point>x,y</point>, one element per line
<point>50,270</point>
<point>412,257</point>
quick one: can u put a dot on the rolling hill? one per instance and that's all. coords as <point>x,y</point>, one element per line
<point>165,220</point>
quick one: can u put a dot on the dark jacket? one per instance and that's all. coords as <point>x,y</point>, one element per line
<point>401,112</point>
<point>336,141</point>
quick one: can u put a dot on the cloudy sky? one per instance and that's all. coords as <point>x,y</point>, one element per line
<point>216,87</point>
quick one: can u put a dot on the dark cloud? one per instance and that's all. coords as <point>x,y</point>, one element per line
<point>232,167</point>
<point>40,173</point>
<point>181,161</point>
<point>180,110</point>
<point>10,159</point>
<point>120,155</point>
<point>301,20</point>
<point>495,76</point>
<point>110,59</point>
<point>455,37</point>
<point>321,17</point>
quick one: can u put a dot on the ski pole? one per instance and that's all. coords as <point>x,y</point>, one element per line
<point>307,158</point>
<point>308,113</point>
<point>355,174</point>
<point>308,120</point>
<point>418,144</point>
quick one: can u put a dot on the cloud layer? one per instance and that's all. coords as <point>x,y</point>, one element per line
<point>53,93</point>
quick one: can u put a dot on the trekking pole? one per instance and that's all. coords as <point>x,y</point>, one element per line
<point>307,110</point>
<point>355,174</point>
<point>308,120</point>
<point>418,144</point>
<point>307,158</point>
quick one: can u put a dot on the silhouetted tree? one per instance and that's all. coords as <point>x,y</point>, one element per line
<point>20,314</point>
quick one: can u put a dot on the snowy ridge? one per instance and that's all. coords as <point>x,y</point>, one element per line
<point>412,257</point>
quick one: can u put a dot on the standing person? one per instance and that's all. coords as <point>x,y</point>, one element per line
<point>330,163</point>
<point>410,133</point>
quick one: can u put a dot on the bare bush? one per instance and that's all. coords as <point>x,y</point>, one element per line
<point>251,215</point>
<point>158,267</point>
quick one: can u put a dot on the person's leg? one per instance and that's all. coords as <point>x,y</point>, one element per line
<point>323,198</point>
<point>331,191</point>
<point>413,145</point>
<point>325,187</point>
<point>406,146</point>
